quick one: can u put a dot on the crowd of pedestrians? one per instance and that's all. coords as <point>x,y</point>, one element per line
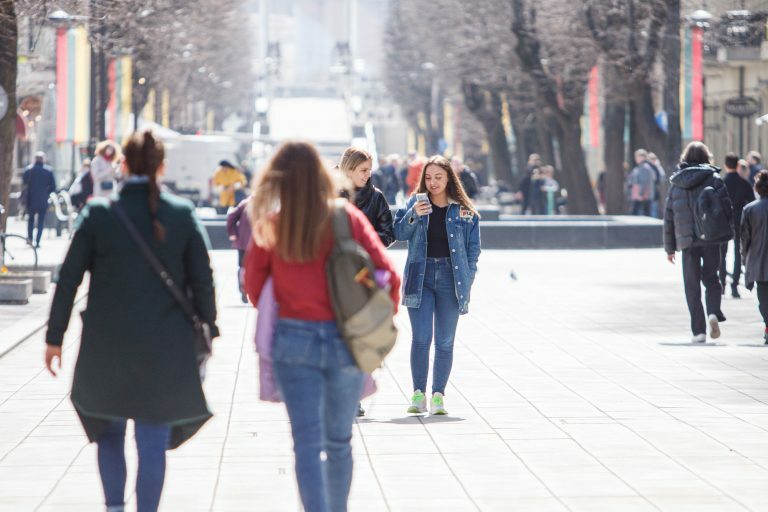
<point>704,211</point>
<point>142,246</point>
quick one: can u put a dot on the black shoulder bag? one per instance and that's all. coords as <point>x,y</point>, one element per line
<point>202,330</point>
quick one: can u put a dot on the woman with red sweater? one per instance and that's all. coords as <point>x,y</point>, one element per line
<point>291,213</point>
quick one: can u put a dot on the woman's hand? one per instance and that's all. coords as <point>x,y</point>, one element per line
<point>52,352</point>
<point>422,208</point>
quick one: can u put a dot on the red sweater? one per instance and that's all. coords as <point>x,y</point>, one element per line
<point>301,289</point>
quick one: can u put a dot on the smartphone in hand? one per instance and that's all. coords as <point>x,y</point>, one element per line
<point>423,197</point>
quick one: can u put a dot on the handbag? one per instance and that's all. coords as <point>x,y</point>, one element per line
<point>203,345</point>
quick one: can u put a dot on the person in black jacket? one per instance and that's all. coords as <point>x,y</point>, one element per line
<point>741,194</point>
<point>356,165</point>
<point>38,183</point>
<point>701,258</point>
<point>754,245</point>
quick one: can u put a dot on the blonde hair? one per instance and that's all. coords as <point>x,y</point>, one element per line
<point>353,157</point>
<point>102,146</point>
<point>292,201</point>
<point>455,189</point>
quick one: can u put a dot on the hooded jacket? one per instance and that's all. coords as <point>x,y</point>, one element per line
<point>687,184</point>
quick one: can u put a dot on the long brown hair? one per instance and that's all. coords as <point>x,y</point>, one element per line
<point>291,205</point>
<point>144,154</point>
<point>455,189</point>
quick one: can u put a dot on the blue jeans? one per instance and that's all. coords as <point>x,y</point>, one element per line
<point>321,387</point>
<point>40,215</point>
<point>438,306</point>
<point>152,441</point>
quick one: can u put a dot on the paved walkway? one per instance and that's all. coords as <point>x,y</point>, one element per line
<point>574,388</point>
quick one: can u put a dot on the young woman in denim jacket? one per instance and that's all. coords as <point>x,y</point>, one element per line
<point>443,238</point>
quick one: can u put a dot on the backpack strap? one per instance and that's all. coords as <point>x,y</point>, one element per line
<point>342,231</point>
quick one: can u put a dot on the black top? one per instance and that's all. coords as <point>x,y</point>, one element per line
<point>373,204</point>
<point>740,192</point>
<point>437,234</point>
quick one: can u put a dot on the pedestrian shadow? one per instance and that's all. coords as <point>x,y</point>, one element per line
<point>414,420</point>
<point>754,345</point>
<point>692,344</point>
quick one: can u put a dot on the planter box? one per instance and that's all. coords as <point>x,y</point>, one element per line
<point>41,279</point>
<point>15,291</point>
<point>53,269</point>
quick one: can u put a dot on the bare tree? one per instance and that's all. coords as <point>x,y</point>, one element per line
<point>558,63</point>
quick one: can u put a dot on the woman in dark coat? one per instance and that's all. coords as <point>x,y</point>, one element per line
<point>137,355</point>
<point>356,164</point>
<point>754,244</point>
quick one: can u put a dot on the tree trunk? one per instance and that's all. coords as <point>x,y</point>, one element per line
<point>614,151</point>
<point>8,60</point>
<point>581,197</point>
<point>486,107</point>
<point>671,60</point>
<point>545,128</point>
<point>648,134</point>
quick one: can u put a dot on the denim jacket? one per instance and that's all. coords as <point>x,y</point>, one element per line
<point>463,242</point>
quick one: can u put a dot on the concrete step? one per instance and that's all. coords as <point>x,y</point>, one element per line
<point>41,279</point>
<point>53,269</point>
<point>15,291</point>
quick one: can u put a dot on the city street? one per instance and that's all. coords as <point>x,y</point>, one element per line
<point>575,388</point>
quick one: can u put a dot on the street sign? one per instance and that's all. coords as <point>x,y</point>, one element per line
<point>744,106</point>
<point>3,102</point>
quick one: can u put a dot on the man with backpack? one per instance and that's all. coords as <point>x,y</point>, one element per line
<point>698,218</point>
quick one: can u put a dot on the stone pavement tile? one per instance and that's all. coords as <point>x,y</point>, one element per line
<point>16,504</point>
<point>606,504</point>
<point>416,444</point>
<point>520,505</point>
<point>421,504</point>
<point>697,503</point>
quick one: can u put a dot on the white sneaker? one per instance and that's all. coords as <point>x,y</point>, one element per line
<point>418,403</point>
<point>714,327</point>
<point>437,405</point>
<point>699,338</point>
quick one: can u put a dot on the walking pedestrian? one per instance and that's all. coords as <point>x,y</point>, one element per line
<point>229,180</point>
<point>641,184</point>
<point>390,184</point>
<point>658,177</point>
<point>524,191</point>
<point>356,165</point>
<point>442,229</point>
<point>754,159</point>
<point>104,168</point>
<point>697,190</point>
<point>82,188</point>
<point>467,177</point>
<point>291,213</point>
<point>137,356</point>
<point>239,232</point>
<point>754,245</point>
<point>741,194</point>
<point>38,182</point>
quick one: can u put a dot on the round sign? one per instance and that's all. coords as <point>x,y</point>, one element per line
<point>3,102</point>
<point>744,106</point>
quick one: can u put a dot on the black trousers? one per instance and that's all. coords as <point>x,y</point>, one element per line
<point>40,216</point>
<point>762,300</point>
<point>641,208</point>
<point>700,265</point>
<point>736,275</point>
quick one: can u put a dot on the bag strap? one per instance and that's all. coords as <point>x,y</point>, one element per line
<point>158,267</point>
<point>341,229</point>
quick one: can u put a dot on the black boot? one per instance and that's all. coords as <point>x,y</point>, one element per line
<point>735,291</point>
<point>360,410</point>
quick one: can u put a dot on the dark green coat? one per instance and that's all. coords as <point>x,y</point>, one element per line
<point>136,355</point>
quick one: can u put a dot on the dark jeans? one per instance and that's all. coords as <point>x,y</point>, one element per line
<point>700,265</point>
<point>641,208</point>
<point>40,214</point>
<point>762,300</point>
<point>439,307</point>
<point>736,275</point>
<point>151,441</point>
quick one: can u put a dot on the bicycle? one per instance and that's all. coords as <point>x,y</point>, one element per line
<point>16,248</point>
